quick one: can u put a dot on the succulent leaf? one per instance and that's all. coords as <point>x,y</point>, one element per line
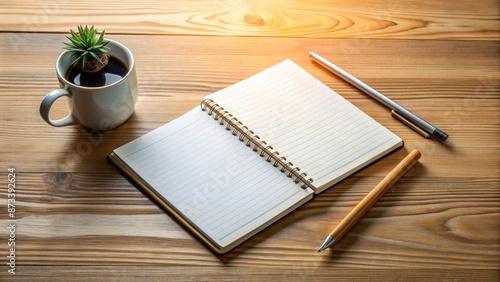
<point>96,57</point>
<point>85,45</point>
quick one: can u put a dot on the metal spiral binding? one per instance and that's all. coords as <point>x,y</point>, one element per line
<point>255,142</point>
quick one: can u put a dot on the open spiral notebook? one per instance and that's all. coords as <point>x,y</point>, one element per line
<point>253,152</point>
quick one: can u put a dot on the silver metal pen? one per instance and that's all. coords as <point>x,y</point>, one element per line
<point>413,121</point>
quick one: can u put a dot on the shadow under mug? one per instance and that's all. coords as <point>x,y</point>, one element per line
<point>99,108</point>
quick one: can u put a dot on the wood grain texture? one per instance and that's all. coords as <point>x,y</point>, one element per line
<point>148,273</point>
<point>427,77</point>
<point>79,218</point>
<point>93,219</point>
<point>76,208</point>
<point>423,19</point>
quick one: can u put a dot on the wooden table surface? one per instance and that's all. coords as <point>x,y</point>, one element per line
<point>79,218</point>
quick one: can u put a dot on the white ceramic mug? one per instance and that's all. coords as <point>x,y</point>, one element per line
<point>99,108</point>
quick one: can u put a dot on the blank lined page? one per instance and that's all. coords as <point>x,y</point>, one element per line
<point>226,190</point>
<point>313,126</point>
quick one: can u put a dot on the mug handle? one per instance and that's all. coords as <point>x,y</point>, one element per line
<point>46,104</point>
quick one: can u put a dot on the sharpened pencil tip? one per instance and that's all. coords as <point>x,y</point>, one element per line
<point>327,244</point>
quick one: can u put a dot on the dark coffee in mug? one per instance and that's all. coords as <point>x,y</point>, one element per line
<point>111,73</point>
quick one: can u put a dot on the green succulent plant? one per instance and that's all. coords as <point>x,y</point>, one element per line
<point>90,51</point>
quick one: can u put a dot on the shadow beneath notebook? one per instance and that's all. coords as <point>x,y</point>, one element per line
<point>297,232</point>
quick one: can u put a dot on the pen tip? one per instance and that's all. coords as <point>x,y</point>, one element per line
<point>327,244</point>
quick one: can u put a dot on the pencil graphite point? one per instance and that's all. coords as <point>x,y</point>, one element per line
<point>362,207</point>
<point>329,242</point>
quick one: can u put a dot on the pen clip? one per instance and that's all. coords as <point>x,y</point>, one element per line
<point>410,124</point>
